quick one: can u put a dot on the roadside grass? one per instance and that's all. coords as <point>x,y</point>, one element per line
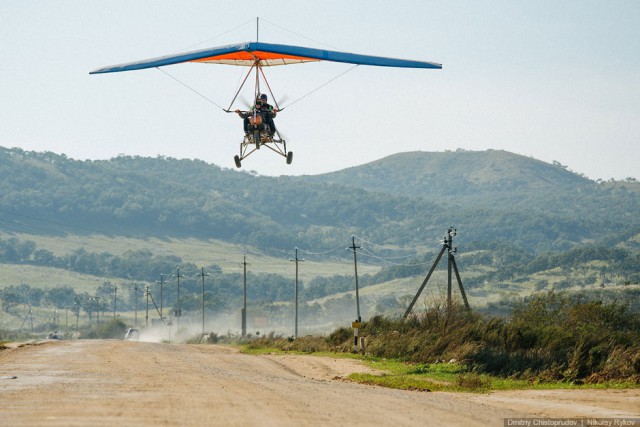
<point>406,376</point>
<point>422,377</point>
<point>448,377</point>
<point>246,349</point>
<point>455,377</point>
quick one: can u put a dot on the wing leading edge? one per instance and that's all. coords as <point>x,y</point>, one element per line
<point>269,54</point>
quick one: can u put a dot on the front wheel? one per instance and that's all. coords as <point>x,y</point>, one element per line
<point>237,160</point>
<point>289,157</point>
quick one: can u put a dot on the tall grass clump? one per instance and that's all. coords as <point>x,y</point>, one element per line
<point>550,337</point>
<point>307,344</point>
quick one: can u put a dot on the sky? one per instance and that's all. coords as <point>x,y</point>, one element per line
<point>552,80</point>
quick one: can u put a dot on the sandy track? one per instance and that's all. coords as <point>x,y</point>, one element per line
<point>98,382</point>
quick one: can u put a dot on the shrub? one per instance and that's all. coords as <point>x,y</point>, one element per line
<point>472,381</point>
<point>114,328</point>
<point>340,336</point>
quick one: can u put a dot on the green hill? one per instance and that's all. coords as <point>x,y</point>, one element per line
<point>400,200</point>
<point>475,174</point>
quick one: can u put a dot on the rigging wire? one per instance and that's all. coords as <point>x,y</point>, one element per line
<point>215,37</point>
<point>287,106</point>
<point>296,34</point>
<point>319,87</point>
<point>191,89</point>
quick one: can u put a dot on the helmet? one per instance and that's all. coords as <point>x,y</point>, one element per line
<point>263,96</point>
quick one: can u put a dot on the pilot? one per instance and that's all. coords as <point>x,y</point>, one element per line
<point>266,111</point>
<point>269,112</point>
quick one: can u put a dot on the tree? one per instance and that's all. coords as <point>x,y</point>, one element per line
<point>61,296</point>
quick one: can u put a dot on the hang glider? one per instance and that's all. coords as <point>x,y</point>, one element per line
<point>266,55</point>
<point>259,127</point>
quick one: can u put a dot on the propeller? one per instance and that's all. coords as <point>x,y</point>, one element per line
<point>243,101</point>
<point>282,100</point>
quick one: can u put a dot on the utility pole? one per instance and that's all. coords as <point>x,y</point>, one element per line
<point>161,283</point>
<point>178,311</point>
<point>29,315</point>
<point>94,300</point>
<point>76,308</point>
<point>244,295</point>
<point>150,296</point>
<point>115,295</point>
<point>203,275</point>
<point>297,260</point>
<point>135,290</point>
<point>97,310</point>
<point>146,316</point>
<point>353,247</point>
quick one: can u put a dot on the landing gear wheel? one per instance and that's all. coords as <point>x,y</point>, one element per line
<point>237,160</point>
<point>289,157</point>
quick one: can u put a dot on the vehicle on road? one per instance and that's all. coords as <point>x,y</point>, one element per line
<point>132,334</point>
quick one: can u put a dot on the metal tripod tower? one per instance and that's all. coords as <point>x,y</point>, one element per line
<point>447,245</point>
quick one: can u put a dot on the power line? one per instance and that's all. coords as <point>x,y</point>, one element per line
<point>336,249</point>
<point>362,239</point>
<point>370,254</point>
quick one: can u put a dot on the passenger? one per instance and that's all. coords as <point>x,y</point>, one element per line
<point>264,109</point>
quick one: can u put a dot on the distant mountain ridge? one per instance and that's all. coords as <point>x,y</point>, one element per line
<point>447,174</point>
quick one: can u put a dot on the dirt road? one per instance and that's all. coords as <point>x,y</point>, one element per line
<point>108,382</point>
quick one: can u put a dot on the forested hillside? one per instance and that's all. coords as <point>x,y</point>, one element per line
<point>401,200</point>
<point>169,197</point>
<point>536,205</point>
<point>484,176</point>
